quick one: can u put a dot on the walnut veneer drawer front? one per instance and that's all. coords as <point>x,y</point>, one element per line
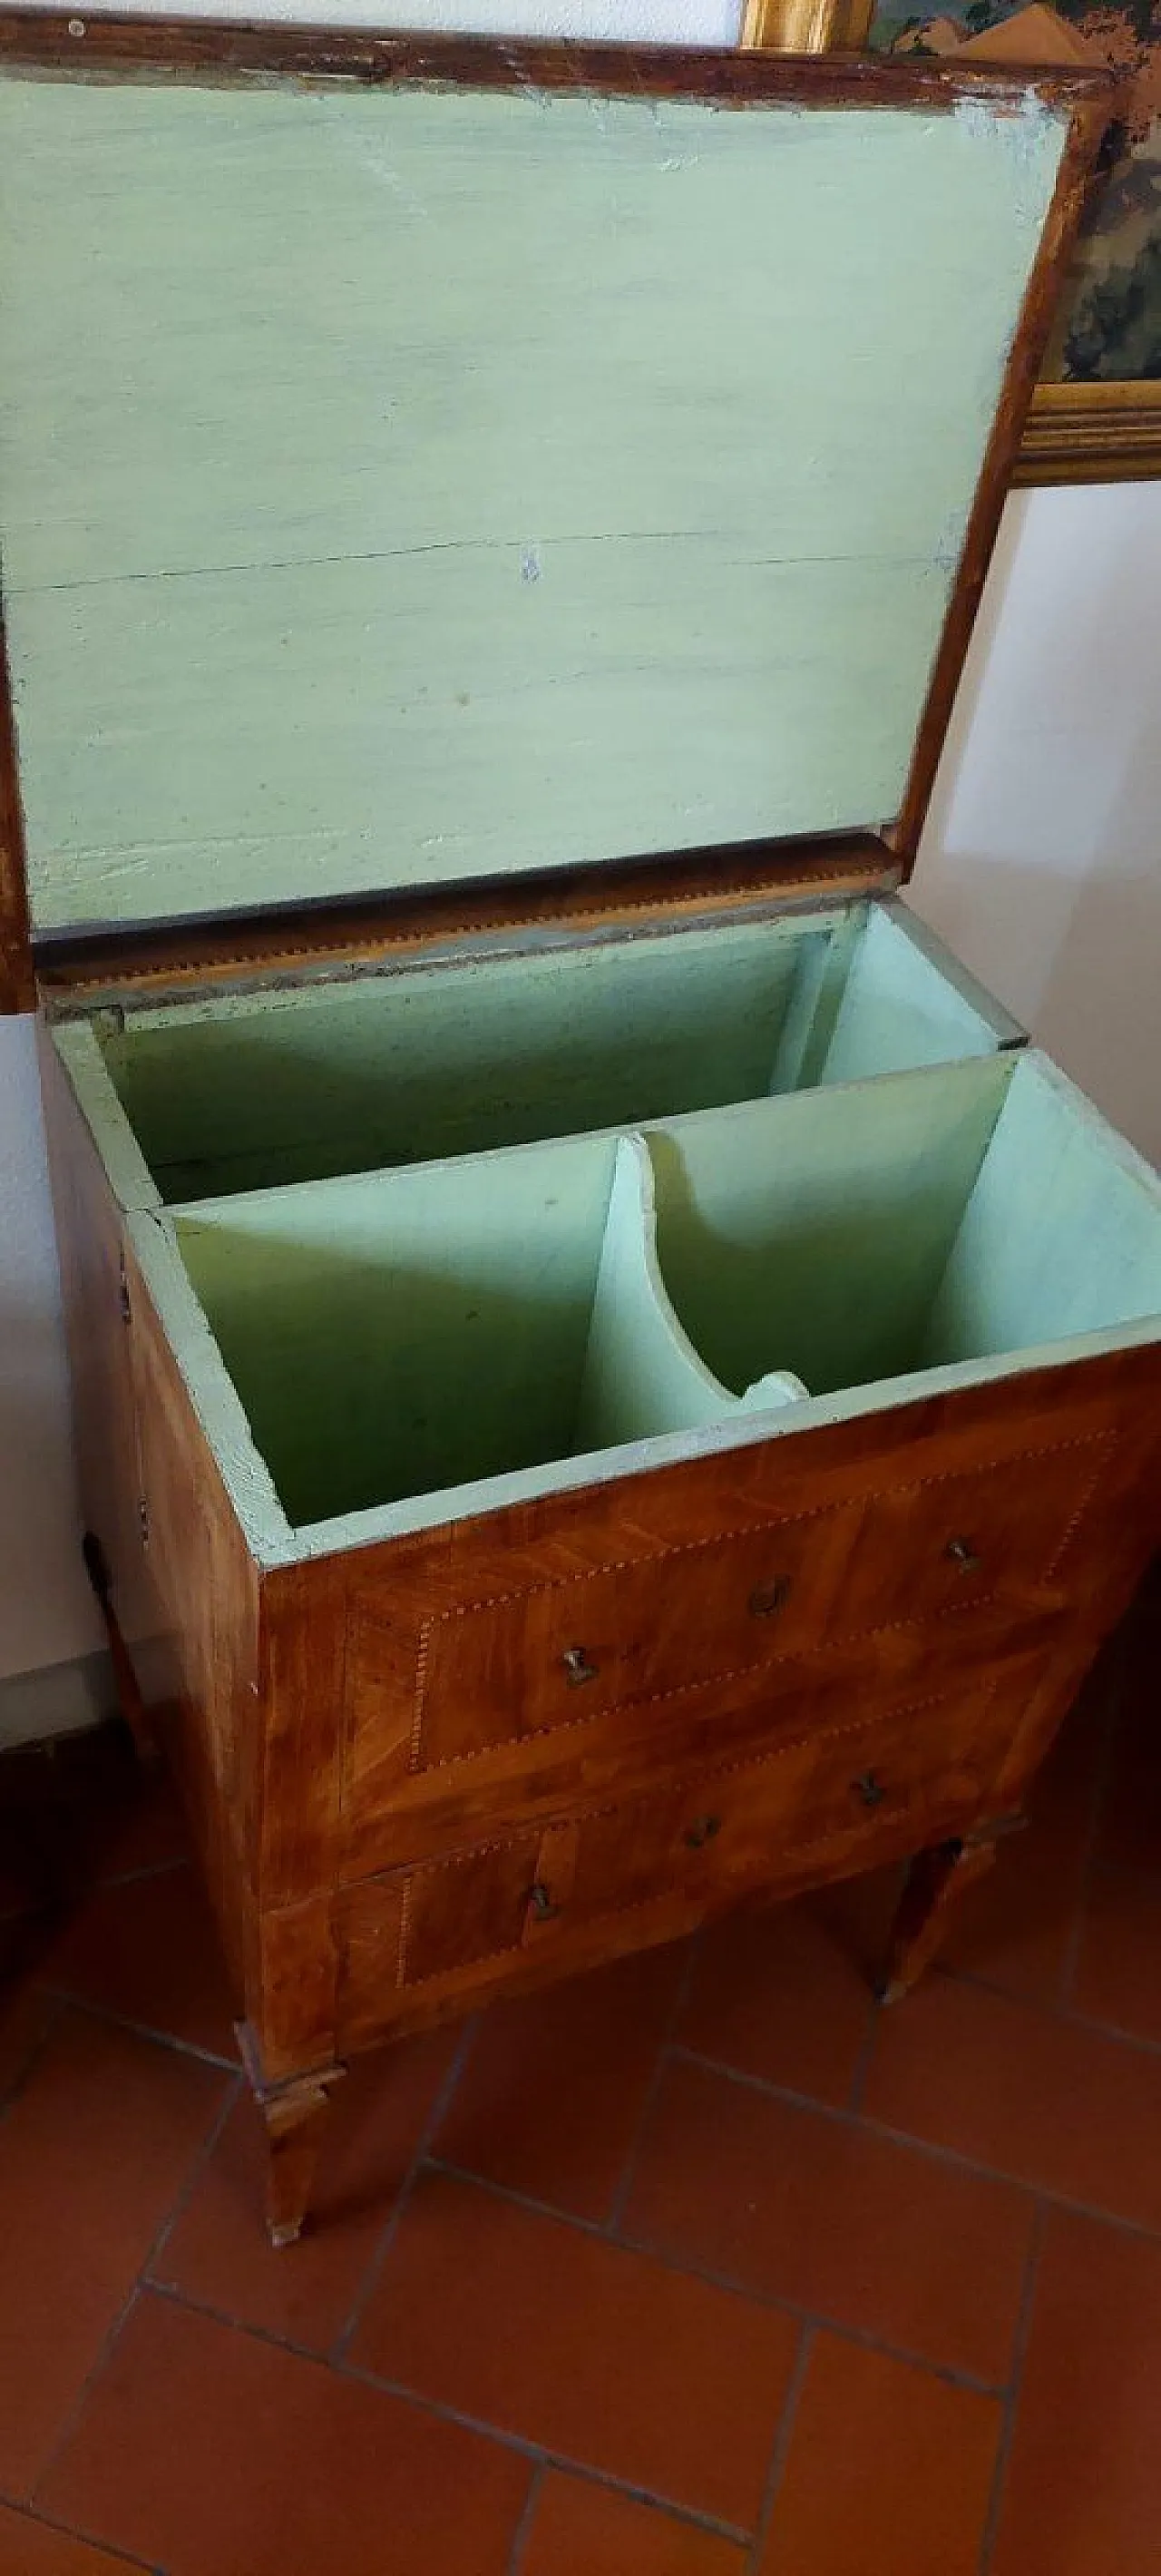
<point>999,1532</point>
<point>562,1652</point>
<point>624,1749</point>
<point>772,1603</point>
<point>864,1785</point>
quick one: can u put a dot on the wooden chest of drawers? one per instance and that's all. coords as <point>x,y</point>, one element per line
<point>607,1384</point>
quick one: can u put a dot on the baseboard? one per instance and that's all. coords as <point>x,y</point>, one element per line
<point>59,1699</point>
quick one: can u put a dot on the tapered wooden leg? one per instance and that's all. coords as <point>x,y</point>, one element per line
<point>295,2123</point>
<point>295,2116</point>
<point>936,1881</point>
<point>129,1699</point>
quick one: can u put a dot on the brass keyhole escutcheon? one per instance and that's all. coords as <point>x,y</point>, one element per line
<point>702,1831</point>
<point>577,1665</point>
<point>870,1790</point>
<point>768,1597</point>
<point>540,1899</point>
<point>964,1555</point>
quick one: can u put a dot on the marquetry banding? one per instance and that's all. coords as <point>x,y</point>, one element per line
<point>953,1610</point>
<point>699,1779</point>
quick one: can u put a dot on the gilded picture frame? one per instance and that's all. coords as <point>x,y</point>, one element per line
<point>1096,414</point>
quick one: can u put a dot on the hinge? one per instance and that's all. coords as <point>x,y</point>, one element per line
<point>143,1519</point>
<point>123,1296</point>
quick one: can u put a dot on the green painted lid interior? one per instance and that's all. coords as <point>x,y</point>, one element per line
<point>418,486</point>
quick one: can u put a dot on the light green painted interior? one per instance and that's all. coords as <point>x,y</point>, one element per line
<point>464,1330</point>
<point>412,1066</point>
<point>888,1228</point>
<point>642,1376</point>
<point>815,1241</point>
<point>1060,1235</point>
<point>388,1334</point>
<point>409,486</point>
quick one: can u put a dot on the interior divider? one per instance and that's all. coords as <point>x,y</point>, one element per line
<point>642,1375</point>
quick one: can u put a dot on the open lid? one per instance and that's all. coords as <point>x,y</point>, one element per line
<point>478,460</point>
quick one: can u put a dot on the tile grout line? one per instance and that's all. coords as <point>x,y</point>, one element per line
<point>631,2488</point>
<point>1065,2015</point>
<point>1020,2342</point>
<point>820,2322</point>
<point>339,2349</point>
<point>623,2192</point>
<point>508,2191</point>
<point>726,2282</point>
<point>157,2288</point>
<point>143,2030</point>
<point>236,2092</point>
<point>867,2125</point>
<point>780,2452</point>
<point>523,2531</point>
<point>72,2531</point>
<point>548,2458</point>
<point>519,2443</point>
<point>197,2164</point>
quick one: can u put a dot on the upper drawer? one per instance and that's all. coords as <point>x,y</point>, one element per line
<point>1002,1531</point>
<point>489,1673</point>
<point>562,1652</point>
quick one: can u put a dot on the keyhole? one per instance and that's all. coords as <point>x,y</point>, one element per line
<point>768,1597</point>
<point>963,1554</point>
<point>870,1790</point>
<point>577,1666</point>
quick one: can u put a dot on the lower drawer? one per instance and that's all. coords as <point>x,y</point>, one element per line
<point>826,1802</point>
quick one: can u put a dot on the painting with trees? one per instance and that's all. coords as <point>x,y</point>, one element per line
<point>1109,330</point>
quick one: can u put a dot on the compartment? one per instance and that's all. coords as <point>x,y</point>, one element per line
<point>257,1091</point>
<point>404,1333</point>
<point>856,1236</point>
<point>442,1340</point>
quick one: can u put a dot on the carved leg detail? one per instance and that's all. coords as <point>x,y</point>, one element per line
<point>935,1882</point>
<point>129,1699</point>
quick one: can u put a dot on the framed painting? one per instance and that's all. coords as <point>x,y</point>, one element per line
<point>1096,416</point>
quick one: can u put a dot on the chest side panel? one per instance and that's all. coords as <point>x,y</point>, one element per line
<point>207,1587</point>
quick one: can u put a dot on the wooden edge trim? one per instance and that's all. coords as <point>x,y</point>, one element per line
<point>1103,433</point>
<point>144,963</point>
<point>213,49</point>
<point>1077,165</point>
<point>17,981</point>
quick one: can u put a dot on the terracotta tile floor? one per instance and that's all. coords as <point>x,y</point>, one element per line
<point>699,2268</point>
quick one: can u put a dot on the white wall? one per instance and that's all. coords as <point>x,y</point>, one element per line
<point>46,1610</point>
<point>1040,864</point>
<point>655,22</point>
